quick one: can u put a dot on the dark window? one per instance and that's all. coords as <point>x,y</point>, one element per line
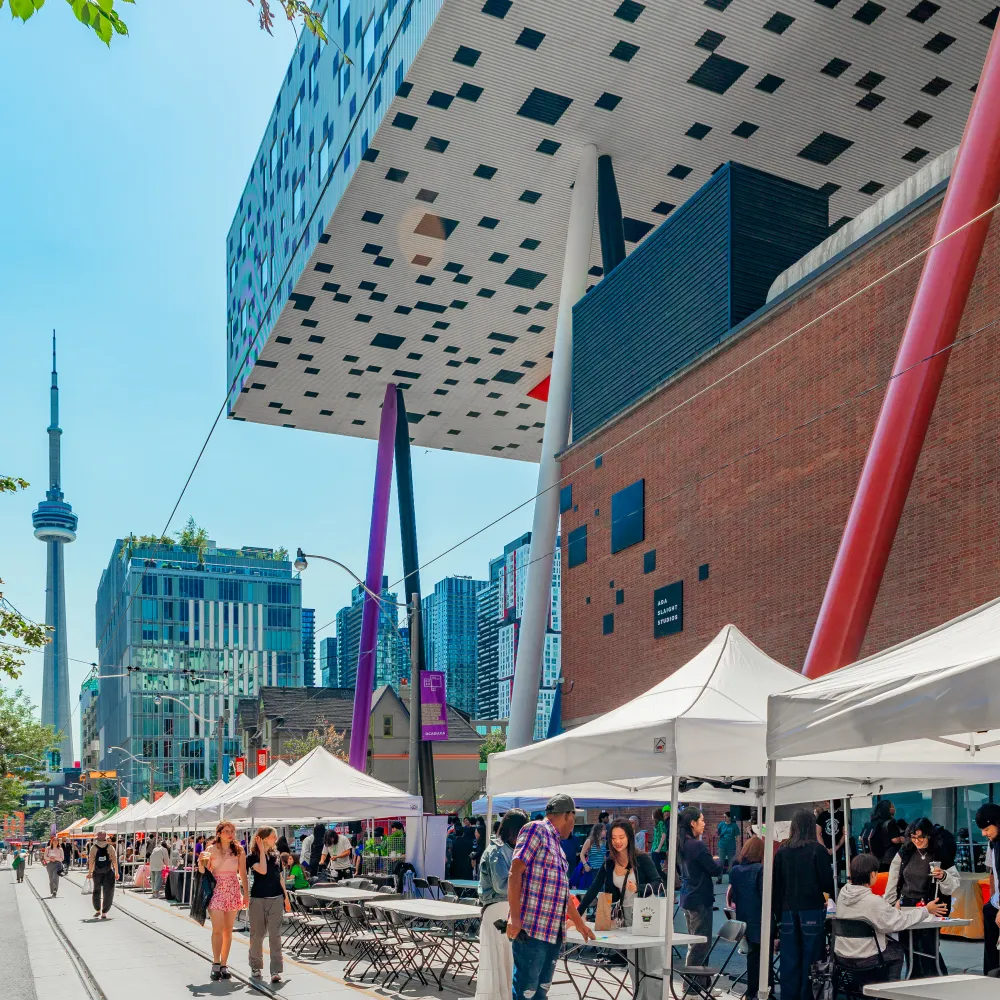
<point>649,561</point>
<point>566,498</point>
<point>168,586</point>
<point>230,590</point>
<point>148,584</point>
<point>279,617</point>
<point>619,596</point>
<point>703,571</point>
<point>609,624</point>
<point>279,593</point>
<point>628,516</point>
<point>576,548</point>
<point>191,587</point>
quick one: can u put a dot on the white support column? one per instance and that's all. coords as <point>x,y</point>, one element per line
<point>545,524</point>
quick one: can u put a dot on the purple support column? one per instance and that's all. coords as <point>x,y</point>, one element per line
<point>373,581</point>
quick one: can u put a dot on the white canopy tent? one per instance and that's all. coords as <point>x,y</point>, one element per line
<point>320,786</point>
<point>157,809</point>
<point>174,816</point>
<point>133,822</point>
<point>939,687</point>
<point>115,824</point>
<point>263,782</point>
<point>211,813</point>
<point>211,794</point>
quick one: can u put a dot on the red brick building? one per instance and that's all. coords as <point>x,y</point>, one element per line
<point>750,457</point>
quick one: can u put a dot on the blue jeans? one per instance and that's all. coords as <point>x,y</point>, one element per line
<point>801,944</point>
<point>534,967</point>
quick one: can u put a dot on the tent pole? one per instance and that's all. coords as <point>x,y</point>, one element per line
<point>763,984</point>
<point>968,826</point>
<point>847,835</point>
<point>668,946</point>
<point>760,803</point>
<point>833,846</point>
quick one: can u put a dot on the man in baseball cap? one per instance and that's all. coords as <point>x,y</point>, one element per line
<point>538,896</point>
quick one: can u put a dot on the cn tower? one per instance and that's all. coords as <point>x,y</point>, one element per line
<point>55,524</point>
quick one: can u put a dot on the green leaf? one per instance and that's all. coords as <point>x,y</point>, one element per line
<point>102,25</point>
<point>22,9</point>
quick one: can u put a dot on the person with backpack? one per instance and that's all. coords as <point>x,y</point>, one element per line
<point>18,863</point>
<point>102,868</point>
<point>921,873</point>
<point>885,836</point>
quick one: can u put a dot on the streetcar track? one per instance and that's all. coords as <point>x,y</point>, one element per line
<point>87,976</point>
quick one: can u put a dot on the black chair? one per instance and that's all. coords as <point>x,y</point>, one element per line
<point>421,885</point>
<point>851,982</point>
<point>435,884</point>
<point>702,979</point>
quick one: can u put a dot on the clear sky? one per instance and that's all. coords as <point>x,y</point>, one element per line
<point>120,174</point>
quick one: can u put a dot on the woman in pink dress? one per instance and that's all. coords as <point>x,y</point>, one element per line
<point>226,860</point>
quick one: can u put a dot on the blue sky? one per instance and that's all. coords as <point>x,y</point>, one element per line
<point>120,175</point>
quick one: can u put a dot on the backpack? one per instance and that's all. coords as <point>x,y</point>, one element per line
<point>102,859</point>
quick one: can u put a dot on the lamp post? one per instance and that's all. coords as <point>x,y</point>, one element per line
<point>219,725</point>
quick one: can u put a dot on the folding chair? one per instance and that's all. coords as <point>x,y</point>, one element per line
<point>447,889</point>
<point>305,928</point>
<point>852,982</point>
<point>435,886</point>
<point>695,976</point>
<point>368,941</point>
<point>421,885</point>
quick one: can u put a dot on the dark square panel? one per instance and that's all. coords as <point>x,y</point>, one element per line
<point>523,278</point>
<point>368,286</point>
<point>373,217</point>
<point>497,8</point>
<point>486,293</point>
<point>499,258</point>
<point>548,147</point>
<point>436,145</point>
<point>522,310</point>
<point>504,375</point>
<point>370,155</point>
<point>424,195</point>
<point>936,86</point>
<point>327,268</point>
<point>403,90</point>
<point>462,279</point>
<point>439,99</point>
<point>870,80</point>
<point>425,279</point>
<point>625,51</point>
<point>404,121</point>
<point>835,67</point>
<point>453,267</point>
<point>825,148</point>
<point>840,223</point>
<point>421,260</point>
<point>595,271</point>
<point>485,172</point>
<point>544,106</point>
<point>828,188</point>
<point>529,244</point>
<point>868,12</point>
<point>635,229</point>
<point>663,208</point>
<point>990,20</point>
<point>679,171</point>
<point>829,4</point>
<point>382,261</point>
<point>717,73</point>
<point>531,197</point>
<point>872,187</point>
<point>769,83</point>
<point>487,223</point>
<point>870,101</point>
<point>608,102</point>
<point>710,40</point>
<point>924,11</point>
<point>396,175</point>
<point>918,119</point>
<point>698,130</point>
<point>718,4</point>
<point>530,38</point>
<point>329,286</point>
<point>745,129</point>
<point>466,56</point>
<point>629,10</point>
<point>469,92</point>
<point>915,155</point>
<point>939,42</point>
<point>779,23</point>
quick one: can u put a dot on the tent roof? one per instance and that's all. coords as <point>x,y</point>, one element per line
<point>103,817</point>
<point>158,808</point>
<point>321,786</point>
<point>210,813</point>
<point>937,684</point>
<point>707,718</point>
<point>177,810</point>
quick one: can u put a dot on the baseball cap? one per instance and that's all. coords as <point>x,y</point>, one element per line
<point>560,803</point>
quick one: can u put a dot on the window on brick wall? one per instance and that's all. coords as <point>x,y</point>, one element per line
<point>566,498</point>
<point>628,516</point>
<point>577,546</point>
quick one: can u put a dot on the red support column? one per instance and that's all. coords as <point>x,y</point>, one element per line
<point>909,400</point>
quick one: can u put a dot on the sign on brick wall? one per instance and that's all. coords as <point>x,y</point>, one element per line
<point>668,609</point>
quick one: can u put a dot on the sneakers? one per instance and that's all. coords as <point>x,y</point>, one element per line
<point>97,914</point>
<point>276,979</point>
<point>224,972</point>
<point>256,974</point>
<point>104,916</point>
<point>216,972</point>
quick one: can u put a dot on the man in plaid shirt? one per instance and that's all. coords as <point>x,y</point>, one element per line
<point>538,895</point>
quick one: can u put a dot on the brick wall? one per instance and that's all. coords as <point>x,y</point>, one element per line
<point>755,478</point>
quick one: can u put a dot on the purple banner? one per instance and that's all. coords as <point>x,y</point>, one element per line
<point>433,708</point>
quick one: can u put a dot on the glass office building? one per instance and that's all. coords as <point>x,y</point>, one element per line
<point>450,637</point>
<point>181,636</point>
<point>309,647</point>
<point>392,653</point>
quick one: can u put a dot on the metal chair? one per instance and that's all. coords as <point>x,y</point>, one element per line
<point>702,979</point>
<point>849,981</point>
<point>369,942</point>
<point>447,889</point>
<point>435,885</point>
<point>421,885</point>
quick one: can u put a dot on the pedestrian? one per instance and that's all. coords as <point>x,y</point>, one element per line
<point>857,902</point>
<point>571,848</point>
<point>454,831</point>
<point>52,858</point>
<point>159,858</point>
<point>18,862</point>
<point>593,853</point>
<point>988,821</point>
<point>698,868</point>
<point>885,837</point>
<point>315,849</point>
<point>803,881</point>
<point>831,833</point>
<point>480,847</point>
<point>282,845</point>
<point>67,849</point>
<point>538,897</point>
<point>461,853</point>
<point>102,869</point>
<point>268,903</point>
<point>627,874</point>
<point>746,897</point>
<point>228,864</point>
<point>660,834</point>
<point>728,832</point>
<point>337,854</point>
<point>496,960</point>
<point>305,851</point>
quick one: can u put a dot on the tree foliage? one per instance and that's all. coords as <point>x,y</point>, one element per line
<point>104,18</point>
<point>24,741</point>
<point>193,536</point>
<point>325,735</point>
<point>40,824</point>
<point>495,742</point>
<point>29,635</point>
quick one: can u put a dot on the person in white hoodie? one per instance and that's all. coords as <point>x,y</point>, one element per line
<point>857,902</point>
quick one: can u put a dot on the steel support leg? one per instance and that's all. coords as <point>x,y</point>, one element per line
<point>917,375</point>
<point>545,524</point>
<point>373,581</point>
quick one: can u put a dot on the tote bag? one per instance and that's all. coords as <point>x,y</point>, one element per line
<point>649,915</point>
